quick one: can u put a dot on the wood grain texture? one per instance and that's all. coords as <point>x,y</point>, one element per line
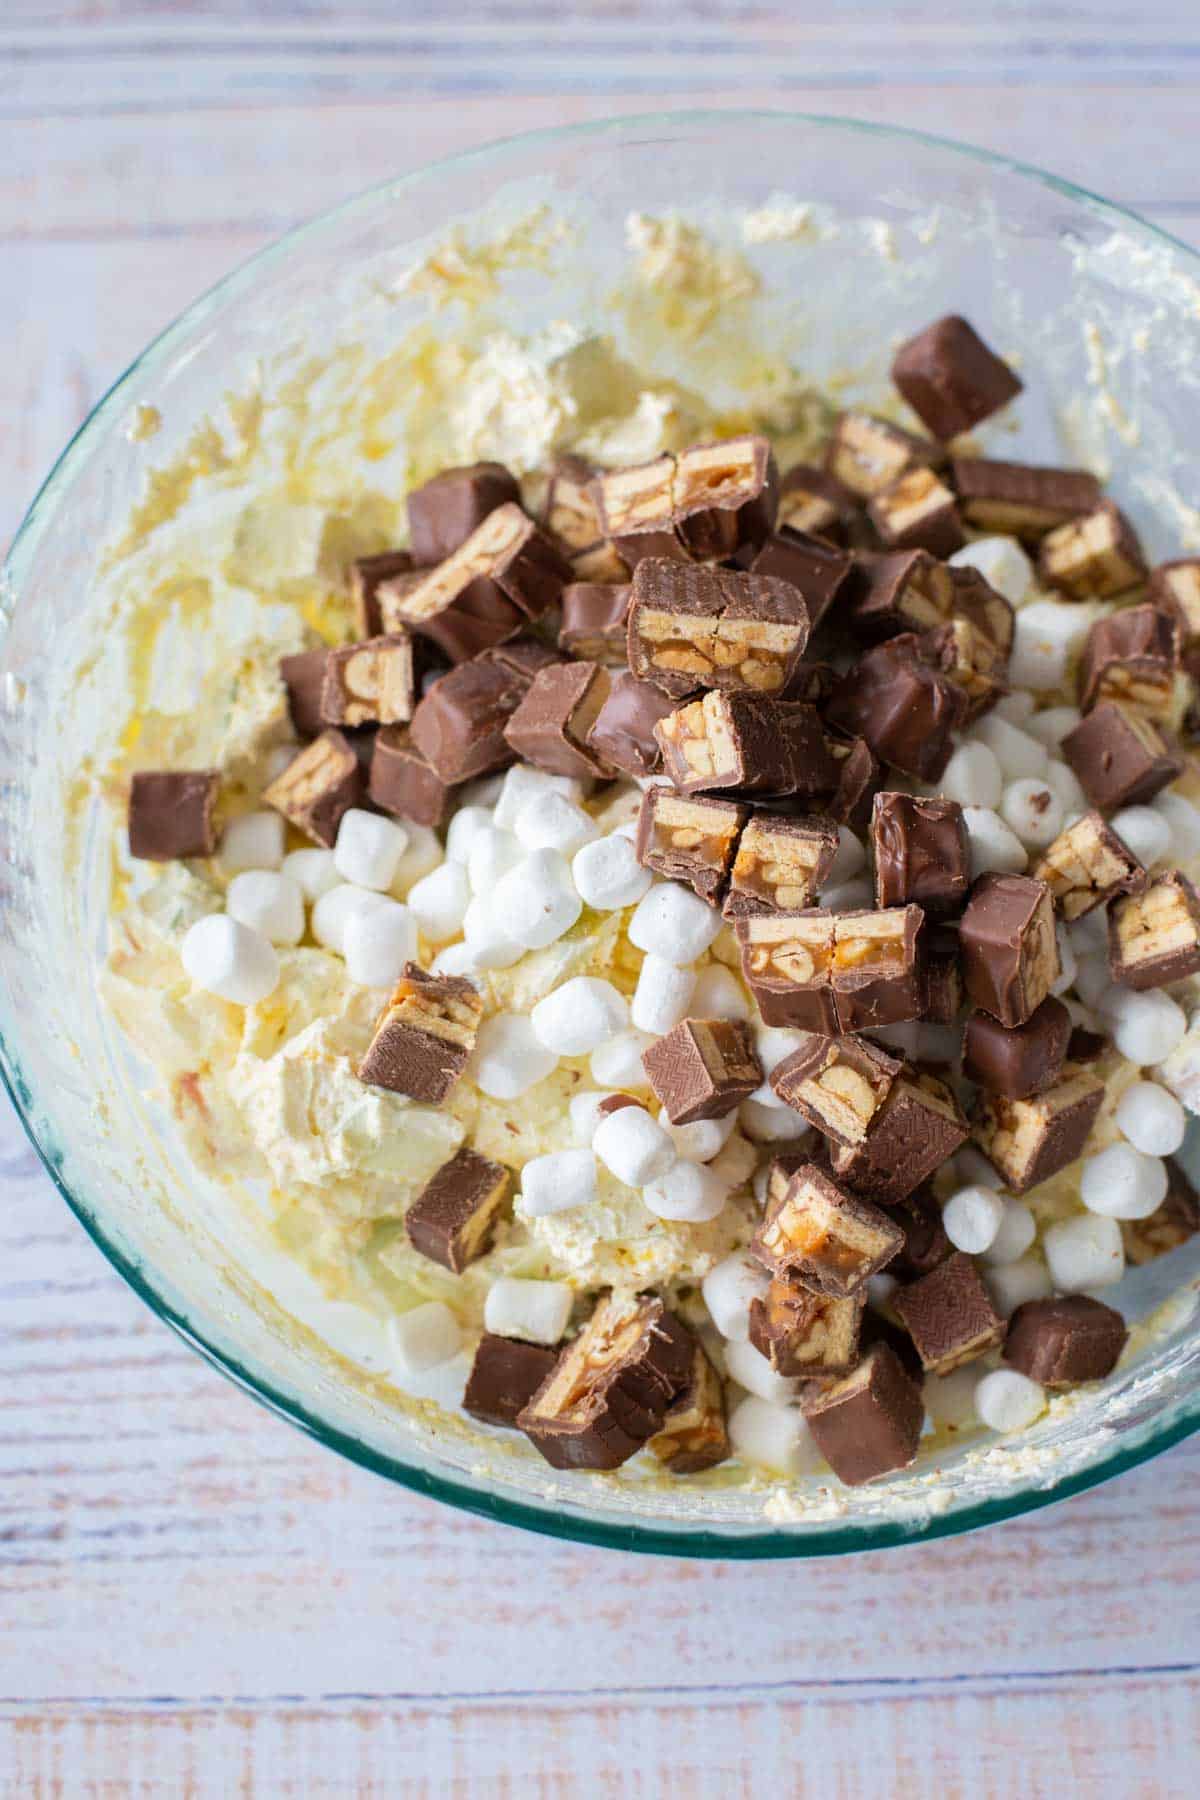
<point>194,1599</point>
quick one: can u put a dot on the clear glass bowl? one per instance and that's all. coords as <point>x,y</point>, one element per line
<point>1106,312</point>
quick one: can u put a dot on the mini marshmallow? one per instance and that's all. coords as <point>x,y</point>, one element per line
<point>1145,1027</point>
<point>313,871</point>
<point>880,1289</point>
<point>456,959</point>
<point>1002,563</point>
<point>672,923</point>
<point>424,1337</point>
<point>1123,1183</point>
<point>718,994</point>
<point>662,995</point>
<point>1093,977</point>
<point>971,1218</point>
<point>378,942</point>
<point>848,896</point>
<point>993,845</point>
<point>1014,1235</point>
<point>751,1370</point>
<point>255,841</point>
<point>584,1111</point>
<point>368,849</point>
<point>1032,811</point>
<point>484,791</point>
<point>690,1192</point>
<point>1046,635</point>
<point>491,855</point>
<point>487,935</point>
<point>270,902</point>
<point>1068,965</point>
<point>422,853</point>
<point>771,1124</point>
<point>1052,726</point>
<point>608,874</point>
<point>618,1064</point>
<point>1012,1284</point>
<point>1082,1253</point>
<point>558,1182</point>
<point>850,859</point>
<point>1006,1400</point>
<point>973,1169</point>
<point>703,1138</point>
<point>277,759</point>
<point>334,910</point>
<point>534,1310</point>
<point>1144,831</point>
<point>972,777</point>
<point>633,1146</point>
<point>1183,820</point>
<point>1064,785</point>
<point>1018,754</point>
<point>230,959</point>
<point>579,1016</point>
<point>1151,1118</point>
<point>1016,708</point>
<point>950,1399</point>
<point>1090,933</point>
<point>439,901</point>
<point>552,822</point>
<point>464,828</point>
<point>736,1163</point>
<point>523,783</point>
<point>773,1044</point>
<point>537,901</point>
<point>772,1436</point>
<point>508,1060</point>
<point>728,1289</point>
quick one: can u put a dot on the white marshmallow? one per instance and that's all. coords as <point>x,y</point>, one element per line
<point>608,874</point>
<point>1090,932</point>
<point>1144,831</point>
<point>277,759</point>
<point>558,1182</point>
<point>314,871</point>
<point>1093,977</point>
<point>1032,812</point>
<point>491,854</point>
<point>1006,1400</point>
<point>484,791</point>
<point>950,1399</point>
<point>1082,1253</point>
<point>580,1015</point>
<point>255,841</point>
<point>1064,785</point>
<point>1014,1235</point>
<point>422,853</point>
<point>776,1124</point>
<point>439,901</point>
<point>773,1044</point>
<point>672,923</point>
<point>703,1138</point>
<point>536,902</point>
<point>1012,1284</point>
<point>552,822</point>
<point>378,942</point>
<point>992,844</point>
<point>270,902</point>
<point>229,959</point>
<point>971,1218</point>
<point>772,1436</point>
<point>425,1337</point>
<point>455,959</point>
<point>728,1289</point>
<point>1051,726</point>
<point>751,1370</point>
<point>508,1060</point>
<point>1068,965</point>
<point>1123,1183</point>
<point>1046,635</point>
<point>523,783</point>
<point>1184,821</point>
<point>689,1191</point>
<point>972,777</point>
<point>880,1289</point>
<point>1151,1118</point>
<point>737,1162</point>
<point>662,995</point>
<point>486,934</point>
<point>1018,754</point>
<point>1002,563</point>
<point>584,1111</point>
<point>534,1310</point>
<point>633,1146</point>
<point>973,1169</point>
<point>368,849</point>
<point>1016,708</point>
<point>718,994</point>
<point>466,825</point>
<point>618,1064</point>
<point>333,911</point>
<point>1145,1027</point>
<point>850,860</point>
<point>848,896</point>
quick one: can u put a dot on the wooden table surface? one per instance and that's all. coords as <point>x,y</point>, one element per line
<point>193,1598</point>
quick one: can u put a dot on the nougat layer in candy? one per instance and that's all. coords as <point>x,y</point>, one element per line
<point>780,865</point>
<point>918,512</point>
<point>1133,656</point>
<point>1086,865</point>
<point>1154,936</point>
<point>443,514</point>
<point>1018,499</point>
<point>837,1084</point>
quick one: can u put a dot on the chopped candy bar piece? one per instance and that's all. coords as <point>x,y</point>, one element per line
<point>595,618</point>
<point>1020,1061</point>
<point>977,601</point>
<point>949,1315</point>
<point>925,1242</point>
<point>505,566</point>
<point>1133,656</point>
<point>869,1423</point>
<point>369,683</point>
<point>693,1435</point>
<point>550,727</point>
<point>693,627</point>
<point>623,735</point>
<point>866,454</point>
<point>452,1219</point>
<point>1093,557</point>
<point>611,1387</point>
<point>906,590</point>
<point>918,512</point>
<point>303,677</point>
<point>403,783</point>
<point>475,617</point>
<point>780,864</point>
<point>859,777</point>
<point>837,1084</point>
<point>751,745</point>
<point>458,726</point>
<point>724,495</point>
<point>703,1068</point>
<point>1008,946</point>
<point>318,786</point>
<point>876,972</point>
<point>1120,757</point>
<point>1176,586</point>
<point>636,507</point>
<point>366,577</point>
<point>1027,1141</point>
<point>505,1375</point>
<point>918,1128</point>
<point>1018,500</point>
<point>787,960</point>
<point>600,562</point>
<point>424,1036</point>
<point>172,813</point>
<point>1154,936</point>
<point>443,514</point>
<point>819,570</point>
<point>905,710</point>
<point>1064,1341</point>
<point>572,516</point>
<point>804,1334</point>
<point>832,1240</point>
<point>966,656</point>
<point>814,502</point>
<point>951,379</point>
<point>690,839</point>
<point>1177,1220</point>
<point>944,992</point>
<point>921,853</point>
<point>1086,865</point>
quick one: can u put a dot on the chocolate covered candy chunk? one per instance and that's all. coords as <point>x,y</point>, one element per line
<point>636,508</point>
<point>458,726</point>
<point>949,1315</point>
<point>787,961</point>
<point>459,617</point>
<point>443,514</point>
<point>869,1423</point>
<point>926,1245</point>
<point>366,577</point>
<point>505,571</point>
<point>402,782</point>
<point>1176,587</point>
<point>595,617</point>
<point>750,745</point>
<point>1064,1341</point>
<point>505,1375</point>
<point>803,1334</point>
<point>1094,557</point>
<point>424,1036</point>
<point>600,562</point>
<point>452,1219</point>
<point>1133,656</point>
<point>318,786</point>
<point>951,379</point>
<point>1177,1220</point>
<point>1120,757</point>
<point>919,1127</point>
<point>623,736</point>
<point>834,973</point>
<point>921,853</point>
<point>693,1436</point>
<point>1019,500</point>
<point>1020,1061</point>
<point>944,992</point>
<point>1154,936</point>
<point>369,683</point>
<point>1027,1141</point>
<point>572,516</point>
<point>859,778</point>
<point>303,677</point>
<point>780,864</point>
<point>693,627</point>
<point>904,709</point>
<point>837,1084</point>
<point>820,570</point>
<point>832,1240</point>
<point>876,970</point>
<point>814,502</point>
<point>724,495</point>
<point>1086,865</point>
<point>550,727</point>
<point>703,1068</point>
<point>1008,948</point>
<point>906,590</point>
<point>690,839</point>
<point>611,1387</point>
<point>172,813</point>
<point>866,454</point>
<point>965,655</point>
<point>918,512</point>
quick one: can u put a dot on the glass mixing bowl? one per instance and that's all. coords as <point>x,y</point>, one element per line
<point>1105,312</point>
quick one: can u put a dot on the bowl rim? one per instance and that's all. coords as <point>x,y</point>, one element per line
<point>745,1544</point>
